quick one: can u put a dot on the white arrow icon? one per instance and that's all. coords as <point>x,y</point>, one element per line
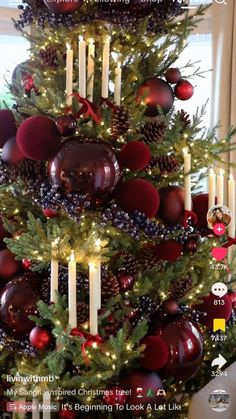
<point>219,362</point>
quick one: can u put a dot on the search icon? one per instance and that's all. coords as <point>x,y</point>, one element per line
<point>221,2</point>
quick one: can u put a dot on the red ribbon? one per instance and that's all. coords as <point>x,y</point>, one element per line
<point>88,109</point>
<point>191,215</point>
<point>89,340</point>
<point>229,243</point>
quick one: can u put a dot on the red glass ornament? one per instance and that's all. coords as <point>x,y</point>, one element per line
<point>222,310</point>
<point>156,353</point>
<point>169,250</point>
<point>184,90</point>
<point>8,264</point>
<point>115,395</point>
<point>28,84</point>
<point>26,264</point>
<point>11,153</point>
<point>171,210</point>
<point>185,347</point>
<point>66,124</point>
<point>173,75</point>
<point>155,92</point>
<point>85,167</point>
<point>140,195</point>
<point>18,302</point>
<point>126,282</point>
<point>7,126</point>
<point>143,380</point>
<point>68,414</point>
<point>232,296</point>
<point>46,137</point>
<point>170,306</point>
<point>135,155</point>
<point>49,213</point>
<point>40,338</point>
<point>63,7</point>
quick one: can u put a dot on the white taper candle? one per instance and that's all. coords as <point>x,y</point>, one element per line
<point>187,180</point>
<point>46,405</point>
<point>54,274</point>
<point>220,187</point>
<point>69,75</point>
<point>93,299</point>
<point>231,205</point>
<point>90,71</point>
<point>105,67</point>
<point>72,290</point>
<point>117,93</point>
<point>82,67</point>
<point>211,189</point>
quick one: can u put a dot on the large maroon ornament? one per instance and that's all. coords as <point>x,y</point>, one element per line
<point>85,167</point>
<point>11,153</point>
<point>18,302</point>
<point>8,264</point>
<point>156,353</point>
<point>185,347</point>
<point>232,297</point>
<point>171,210</point>
<point>156,92</point>
<point>215,308</point>
<point>144,380</point>
<point>7,126</point>
<point>68,6</point>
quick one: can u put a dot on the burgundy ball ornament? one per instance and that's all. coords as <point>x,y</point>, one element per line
<point>66,125</point>
<point>169,250</point>
<point>8,264</point>
<point>11,153</point>
<point>155,92</point>
<point>64,7</point>
<point>184,90</point>
<point>140,195</point>
<point>85,167</point>
<point>170,306</point>
<point>145,380</point>
<point>67,414</point>
<point>173,75</point>
<point>214,308</point>
<point>126,282</point>
<point>135,156</point>
<point>232,296</point>
<point>184,341</point>
<point>171,210</point>
<point>26,264</point>
<point>17,303</point>
<point>7,126</point>
<point>49,213</point>
<point>191,247</point>
<point>200,207</point>
<point>40,338</point>
<point>38,138</point>
<point>156,353</point>
<point>115,395</point>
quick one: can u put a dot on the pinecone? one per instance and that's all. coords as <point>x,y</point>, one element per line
<point>154,131</point>
<point>167,164</point>
<point>148,259</point>
<point>82,312</point>
<point>130,264</point>
<point>110,286</point>
<point>120,121</point>
<point>181,288</point>
<point>184,119</point>
<point>48,57</point>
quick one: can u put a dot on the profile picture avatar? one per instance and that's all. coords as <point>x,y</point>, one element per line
<point>219,214</point>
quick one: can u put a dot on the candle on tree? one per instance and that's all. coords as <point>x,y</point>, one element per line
<point>117,93</point>
<point>69,75</point>
<point>97,266</point>
<point>72,291</point>
<point>35,411</point>
<point>211,188</point>
<point>231,205</point>
<point>46,405</point>
<point>187,180</point>
<point>220,187</point>
<point>54,273</point>
<point>90,72</point>
<point>93,299</point>
<point>105,68</point>
<point>82,67</point>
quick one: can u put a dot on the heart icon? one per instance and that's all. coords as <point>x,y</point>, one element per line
<point>219,253</point>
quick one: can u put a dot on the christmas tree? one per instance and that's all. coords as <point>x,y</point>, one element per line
<point>107,260</point>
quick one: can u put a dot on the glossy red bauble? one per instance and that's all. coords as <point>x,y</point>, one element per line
<point>155,93</point>
<point>200,208</point>
<point>8,264</point>
<point>156,353</point>
<point>115,395</point>
<point>126,282</point>
<point>66,125</point>
<point>49,213</point>
<point>11,153</point>
<point>7,126</point>
<point>221,310</point>
<point>232,296</point>
<point>135,156</point>
<point>138,195</point>
<point>173,75</point>
<point>85,167</point>
<point>67,414</point>
<point>46,138</point>
<point>26,264</point>
<point>64,7</point>
<point>170,307</point>
<point>139,382</point>
<point>184,341</point>
<point>40,338</point>
<point>184,90</point>
<point>17,303</point>
<point>169,250</point>
<point>171,210</point>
